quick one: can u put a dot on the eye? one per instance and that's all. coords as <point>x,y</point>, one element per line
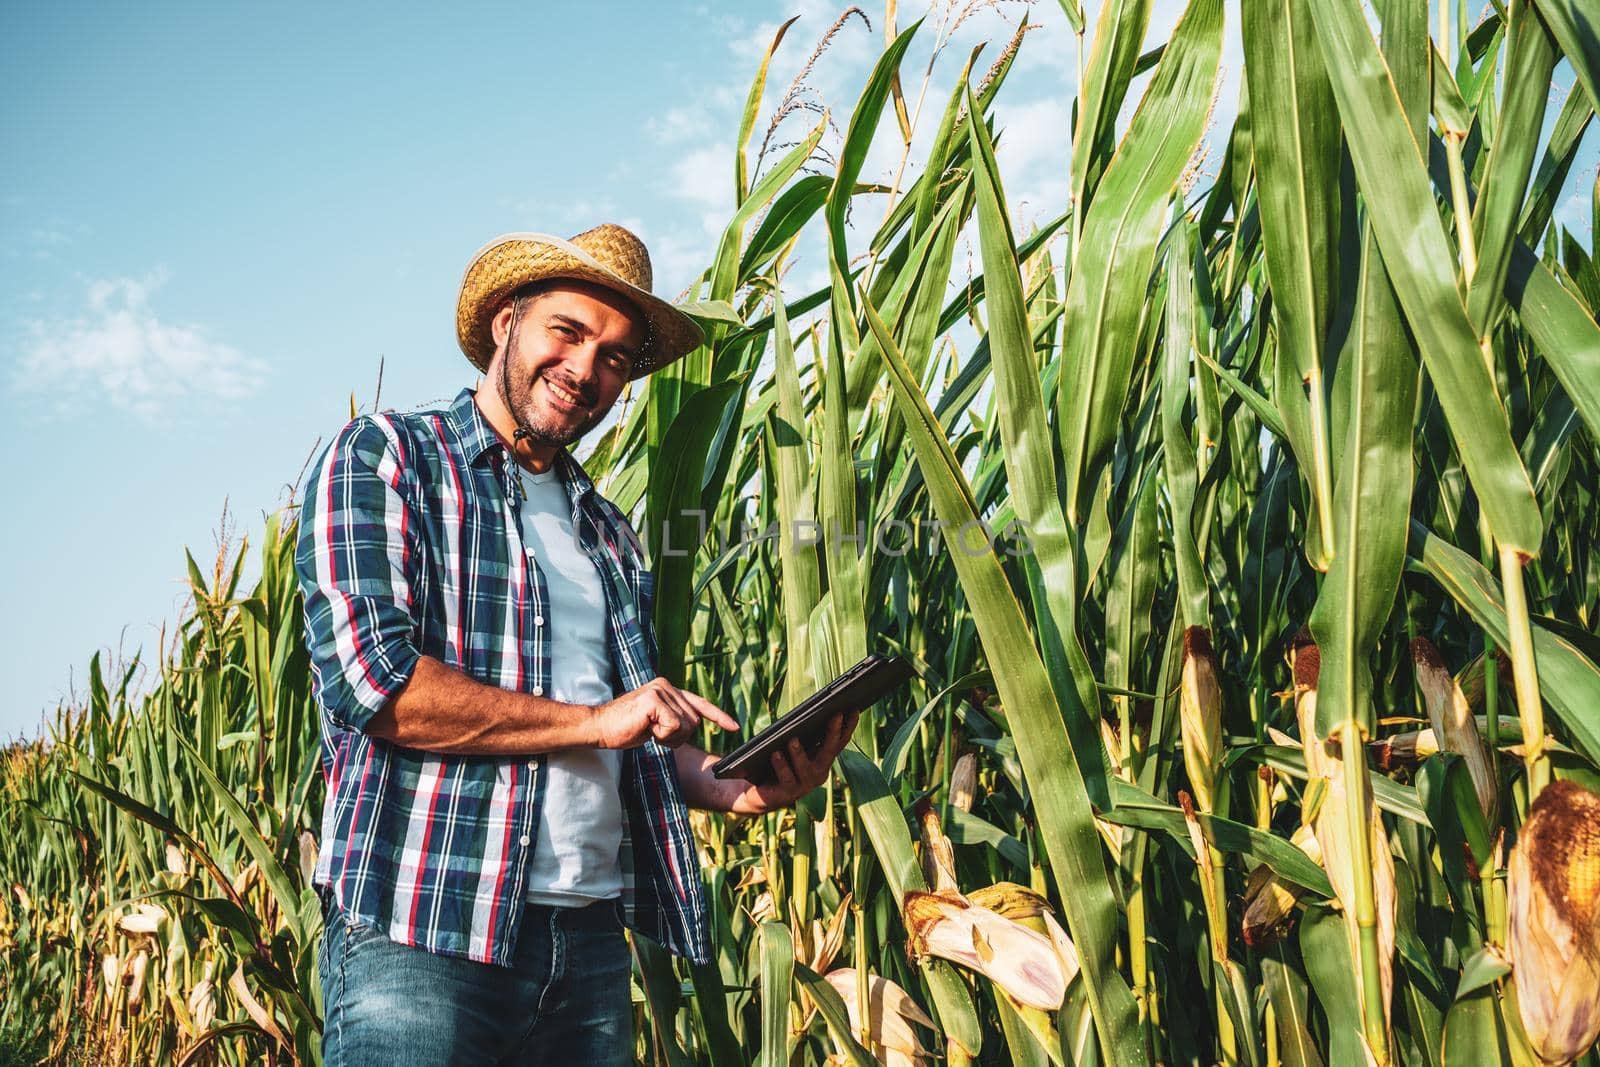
<point>565,331</point>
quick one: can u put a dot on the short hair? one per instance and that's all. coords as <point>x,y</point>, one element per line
<point>524,296</point>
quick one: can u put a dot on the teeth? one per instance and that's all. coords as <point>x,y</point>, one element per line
<point>568,397</point>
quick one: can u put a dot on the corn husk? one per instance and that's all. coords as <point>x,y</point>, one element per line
<point>1553,901</point>
<point>826,941</point>
<point>176,864</point>
<point>1410,746</point>
<point>1200,715</point>
<point>1011,900</point>
<point>1022,962</point>
<point>136,972</point>
<point>938,854</point>
<point>308,856</point>
<point>1019,903</point>
<point>111,971</point>
<point>1329,823</point>
<point>964,782</point>
<point>245,879</point>
<point>1451,717</point>
<point>202,1000</point>
<point>254,1008</point>
<point>144,921</point>
<point>891,1014</point>
<point>1113,747</point>
<point>1269,900</point>
<point>764,908</point>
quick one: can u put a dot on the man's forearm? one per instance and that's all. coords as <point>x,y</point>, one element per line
<point>700,788</point>
<point>442,710</point>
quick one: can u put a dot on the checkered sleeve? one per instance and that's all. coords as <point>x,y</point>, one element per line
<point>354,560</point>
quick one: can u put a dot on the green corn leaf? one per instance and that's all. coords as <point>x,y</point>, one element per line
<point>1026,446</point>
<point>1326,951</point>
<point>777,984</point>
<point>259,848</point>
<point>885,824</point>
<point>1106,294</point>
<point>752,106</point>
<point>670,518</point>
<point>1505,179</point>
<point>1564,331</point>
<point>1057,783</point>
<point>1118,33</point>
<point>858,139</point>
<point>801,583</point>
<point>1578,30</point>
<point>1389,167</point>
<point>147,814</point>
<point>841,537</point>
<point>1180,454</point>
<point>1295,137</point>
<point>1376,387</point>
<point>1287,992</point>
<point>1568,679</point>
<point>1135,807</point>
<point>791,210</point>
<point>724,272</point>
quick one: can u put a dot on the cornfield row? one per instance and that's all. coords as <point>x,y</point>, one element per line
<point>1271,737</point>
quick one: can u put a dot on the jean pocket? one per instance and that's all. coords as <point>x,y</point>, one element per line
<point>351,932</point>
<point>359,933</point>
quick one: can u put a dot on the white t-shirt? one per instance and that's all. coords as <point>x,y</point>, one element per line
<point>576,858</point>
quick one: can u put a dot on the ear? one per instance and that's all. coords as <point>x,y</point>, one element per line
<point>500,325</point>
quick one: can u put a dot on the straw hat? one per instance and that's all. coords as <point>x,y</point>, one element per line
<point>607,255</point>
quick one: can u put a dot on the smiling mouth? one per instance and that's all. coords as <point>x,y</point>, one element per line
<point>565,396</point>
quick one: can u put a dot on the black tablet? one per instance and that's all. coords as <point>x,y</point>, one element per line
<point>855,690</point>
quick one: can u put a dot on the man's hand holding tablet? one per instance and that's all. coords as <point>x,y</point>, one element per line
<point>792,756</point>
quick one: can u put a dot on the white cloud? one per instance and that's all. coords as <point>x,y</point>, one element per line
<point>1033,133</point>
<point>1573,214</point>
<point>704,177</point>
<point>677,125</point>
<point>119,352</point>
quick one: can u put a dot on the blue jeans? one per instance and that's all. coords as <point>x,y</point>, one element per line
<point>565,1000</point>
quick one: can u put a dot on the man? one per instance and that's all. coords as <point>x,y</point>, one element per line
<point>507,776</point>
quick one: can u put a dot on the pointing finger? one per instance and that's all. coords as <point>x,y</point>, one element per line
<point>710,711</point>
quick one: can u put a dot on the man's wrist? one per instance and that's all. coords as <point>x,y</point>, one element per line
<point>590,735</point>
<point>577,725</point>
<point>734,796</point>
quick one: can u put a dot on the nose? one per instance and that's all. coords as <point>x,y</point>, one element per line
<point>580,370</point>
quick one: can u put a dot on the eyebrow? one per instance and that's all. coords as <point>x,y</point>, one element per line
<point>583,329</point>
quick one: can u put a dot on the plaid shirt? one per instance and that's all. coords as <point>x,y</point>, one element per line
<point>409,544</point>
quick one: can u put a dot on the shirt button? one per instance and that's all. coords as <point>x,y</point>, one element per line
<point>538,620</point>
<point>538,690</point>
<point>534,764</point>
<point>523,840</point>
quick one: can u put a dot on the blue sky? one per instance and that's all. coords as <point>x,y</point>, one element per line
<point>216,219</point>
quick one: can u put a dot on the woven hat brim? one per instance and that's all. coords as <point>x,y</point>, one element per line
<point>513,260</point>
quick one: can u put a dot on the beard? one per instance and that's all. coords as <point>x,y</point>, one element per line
<point>543,425</point>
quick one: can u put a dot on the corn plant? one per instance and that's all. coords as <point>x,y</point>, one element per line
<point>1242,535</point>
